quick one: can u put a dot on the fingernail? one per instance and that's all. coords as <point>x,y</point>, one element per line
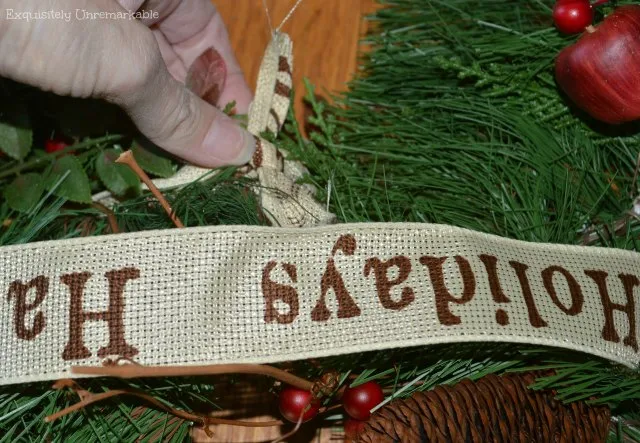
<point>228,143</point>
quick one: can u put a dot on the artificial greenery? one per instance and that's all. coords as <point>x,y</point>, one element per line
<point>30,118</point>
<point>456,119</point>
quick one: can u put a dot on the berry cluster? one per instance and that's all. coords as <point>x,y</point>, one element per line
<point>357,402</point>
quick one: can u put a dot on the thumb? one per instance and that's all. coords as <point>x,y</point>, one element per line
<point>175,119</point>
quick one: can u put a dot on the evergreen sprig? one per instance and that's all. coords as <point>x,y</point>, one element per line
<point>457,120</point>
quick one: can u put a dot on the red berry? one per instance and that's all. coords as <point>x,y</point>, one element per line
<point>572,16</point>
<point>293,401</point>
<point>359,400</point>
<point>353,427</point>
<point>55,144</point>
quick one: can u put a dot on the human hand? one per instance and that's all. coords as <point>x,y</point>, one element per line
<point>139,65</point>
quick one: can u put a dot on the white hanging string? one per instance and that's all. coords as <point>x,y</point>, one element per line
<point>286,18</point>
<point>266,10</point>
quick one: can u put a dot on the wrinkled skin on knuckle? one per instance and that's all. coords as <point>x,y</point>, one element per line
<point>181,119</point>
<point>134,64</point>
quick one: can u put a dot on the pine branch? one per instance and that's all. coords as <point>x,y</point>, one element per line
<point>475,135</point>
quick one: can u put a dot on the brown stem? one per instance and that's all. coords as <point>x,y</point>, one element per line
<point>201,419</point>
<point>111,217</point>
<point>294,430</point>
<point>87,398</point>
<point>134,371</point>
<point>299,422</point>
<point>127,158</point>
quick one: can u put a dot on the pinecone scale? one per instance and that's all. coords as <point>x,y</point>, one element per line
<point>493,409</point>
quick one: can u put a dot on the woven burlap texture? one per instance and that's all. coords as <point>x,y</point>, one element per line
<point>263,294</point>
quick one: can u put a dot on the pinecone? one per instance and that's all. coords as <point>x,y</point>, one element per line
<point>493,409</point>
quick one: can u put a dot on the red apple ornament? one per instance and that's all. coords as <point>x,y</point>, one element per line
<point>601,72</point>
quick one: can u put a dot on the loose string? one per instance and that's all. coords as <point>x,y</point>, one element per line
<point>286,18</point>
<point>266,11</point>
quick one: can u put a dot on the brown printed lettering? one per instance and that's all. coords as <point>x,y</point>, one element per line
<point>19,291</point>
<point>491,265</point>
<point>273,291</point>
<point>383,284</point>
<point>534,316</point>
<point>443,297</point>
<point>332,279</point>
<point>75,348</point>
<point>609,331</point>
<point>577,299</point>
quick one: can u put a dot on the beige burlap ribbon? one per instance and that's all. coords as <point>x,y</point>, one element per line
<point>260,294</point>
<point>268,294</point>
<point>285,202</point>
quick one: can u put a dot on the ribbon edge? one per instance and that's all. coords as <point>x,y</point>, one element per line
<point>360,349</point>
<point>433,228</point>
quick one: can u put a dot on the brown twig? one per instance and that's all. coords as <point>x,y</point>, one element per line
<point>201,419</point>
<point>295,429</point>
<point>87,227</point>
<point>136,371</point>
<point>127,158</point>
<point>87,398</point>
<point>111,217</point>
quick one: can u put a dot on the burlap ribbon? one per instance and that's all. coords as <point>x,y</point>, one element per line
<point>257,294</point>
<point>246,294</point>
